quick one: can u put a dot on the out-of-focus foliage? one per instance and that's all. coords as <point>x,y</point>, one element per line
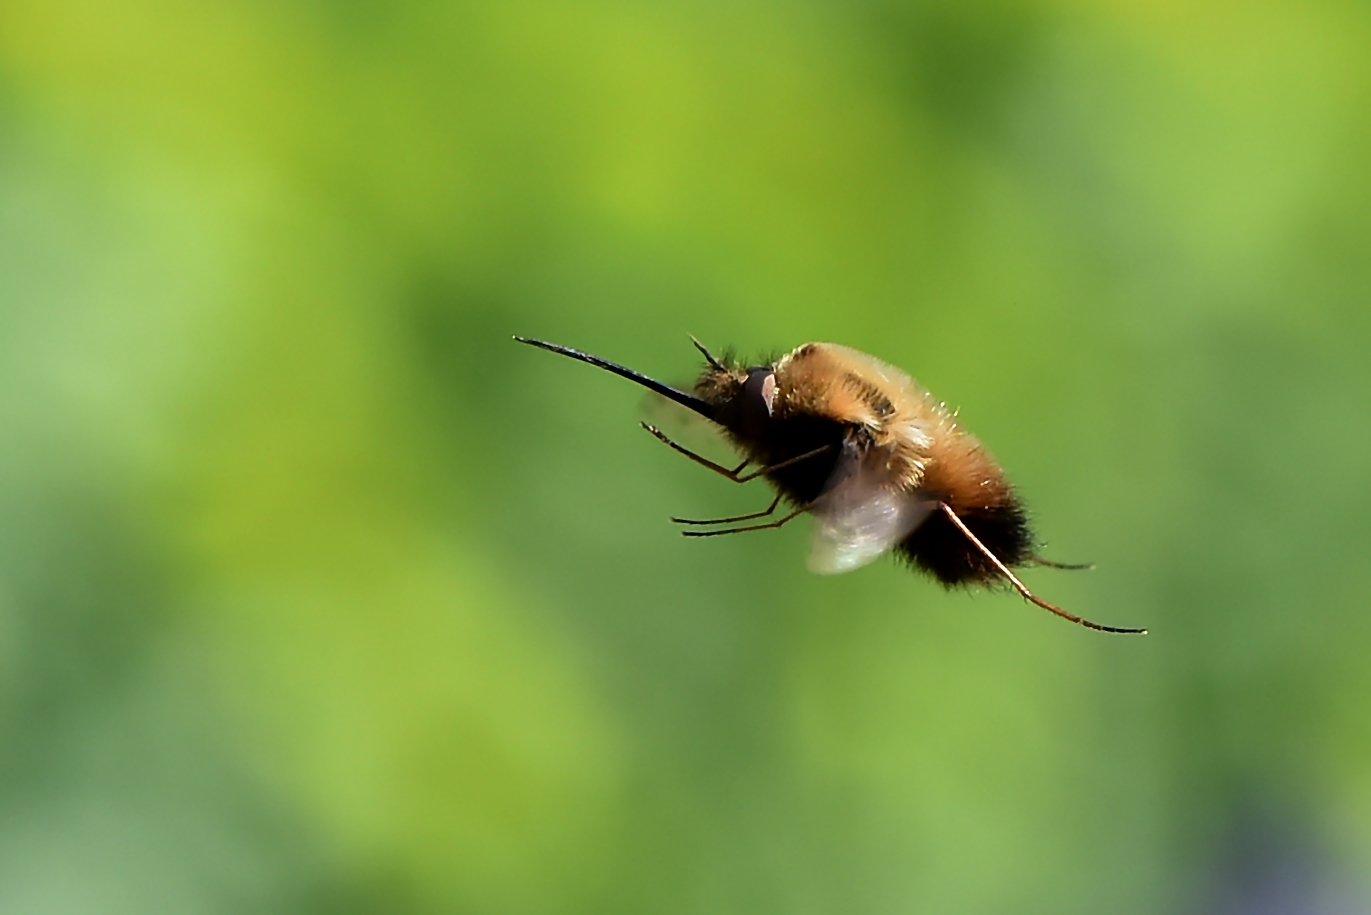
<point>318,594</point>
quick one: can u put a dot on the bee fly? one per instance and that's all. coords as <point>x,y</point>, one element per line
<point>870,454</point>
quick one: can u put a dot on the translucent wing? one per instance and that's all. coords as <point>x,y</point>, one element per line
<point>861,515</point>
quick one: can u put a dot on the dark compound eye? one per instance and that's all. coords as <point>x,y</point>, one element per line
<point>759,395</point>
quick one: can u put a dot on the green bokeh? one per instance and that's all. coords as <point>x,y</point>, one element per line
<point>319,594</point>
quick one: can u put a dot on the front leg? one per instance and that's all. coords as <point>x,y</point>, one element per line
<point>702,461</point>
<point>733,474</point>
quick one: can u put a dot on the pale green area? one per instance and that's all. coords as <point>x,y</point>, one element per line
<point>319,594</point>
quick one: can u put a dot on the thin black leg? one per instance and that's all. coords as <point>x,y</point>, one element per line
<point>1020,586</point>
<point>702,461</point>
<point>1067,566</point>
<point>761,514</point>
<point>751,527</point>
<point>724,471</point>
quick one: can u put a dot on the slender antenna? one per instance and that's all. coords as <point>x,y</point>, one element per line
<point>1023,589</point>
<point>709,357</point>
<point>688,401</point>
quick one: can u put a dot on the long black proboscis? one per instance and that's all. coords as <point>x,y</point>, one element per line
<point>688,401</point>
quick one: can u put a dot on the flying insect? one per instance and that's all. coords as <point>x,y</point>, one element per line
<point>880,464</point>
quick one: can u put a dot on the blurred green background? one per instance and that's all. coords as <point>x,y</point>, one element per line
<point>320,595</point>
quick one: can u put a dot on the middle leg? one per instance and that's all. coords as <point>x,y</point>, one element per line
<point>761,514</point>
<point>751,527</point>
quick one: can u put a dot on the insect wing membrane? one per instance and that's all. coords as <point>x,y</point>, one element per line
<point>861,515</point>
